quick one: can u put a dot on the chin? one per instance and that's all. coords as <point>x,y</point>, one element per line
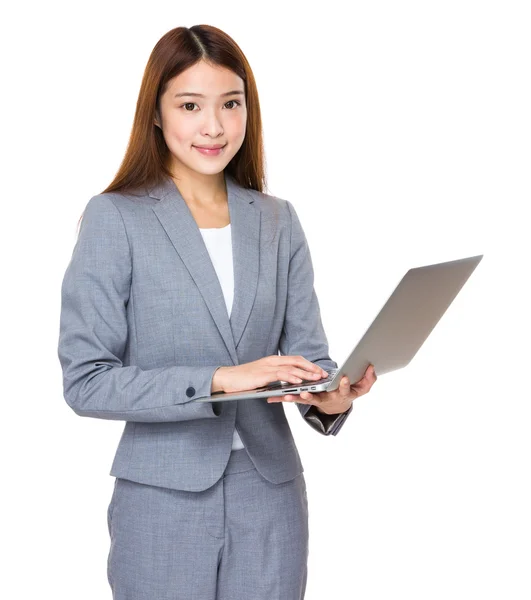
<point>213,170</point>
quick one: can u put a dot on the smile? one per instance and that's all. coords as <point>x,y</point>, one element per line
<point>210,151</point>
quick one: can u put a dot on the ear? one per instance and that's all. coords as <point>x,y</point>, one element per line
<point>156,120</point>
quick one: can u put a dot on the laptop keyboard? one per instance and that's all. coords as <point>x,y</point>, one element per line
<point>331,374</point>
<point>287,384</point>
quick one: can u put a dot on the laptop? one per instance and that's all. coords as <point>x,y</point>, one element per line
<point>394,337</point>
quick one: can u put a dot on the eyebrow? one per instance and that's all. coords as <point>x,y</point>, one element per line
<point>202,95</point>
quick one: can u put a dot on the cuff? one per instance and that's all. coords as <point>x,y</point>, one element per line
<point>323,423</point>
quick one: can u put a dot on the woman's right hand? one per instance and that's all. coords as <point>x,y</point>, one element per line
<point>261,372</point>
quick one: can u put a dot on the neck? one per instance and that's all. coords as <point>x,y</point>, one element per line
<point>198,189</point>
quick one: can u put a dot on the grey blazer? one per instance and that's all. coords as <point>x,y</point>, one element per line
<point>144,326</point>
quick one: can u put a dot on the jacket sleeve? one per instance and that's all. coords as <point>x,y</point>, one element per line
<point>303,333</point>
<point>93,332</point>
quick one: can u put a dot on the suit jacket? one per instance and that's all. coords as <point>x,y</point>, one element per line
<point>144,326</point>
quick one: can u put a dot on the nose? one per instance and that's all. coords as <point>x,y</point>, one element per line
<point>212,124</point>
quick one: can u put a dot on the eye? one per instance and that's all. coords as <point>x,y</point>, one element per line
<point>237,102</point>
<point>194,104</point>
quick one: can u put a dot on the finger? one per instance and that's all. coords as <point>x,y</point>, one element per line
<point>303,398</point>
<point>344,386</point>
<point>362,387</point>
<point>365,383</point>
<point>307,397</point>
<point>370,373</point>
<point>287,398</point>
<point>299,361</point>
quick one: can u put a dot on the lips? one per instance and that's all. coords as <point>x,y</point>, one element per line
<point>210,151</point>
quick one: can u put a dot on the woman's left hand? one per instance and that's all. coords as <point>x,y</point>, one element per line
<point>339,400</point>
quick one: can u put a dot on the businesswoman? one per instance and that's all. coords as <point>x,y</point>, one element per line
<point>185,279</point>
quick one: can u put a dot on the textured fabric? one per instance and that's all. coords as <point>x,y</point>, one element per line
<point>144,327</point>
<point>218,242</point>
<point>244,538</point>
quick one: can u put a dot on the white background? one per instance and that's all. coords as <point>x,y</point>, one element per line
<point>400,131</point>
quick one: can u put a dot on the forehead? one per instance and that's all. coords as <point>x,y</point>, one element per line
<point>205,79</point>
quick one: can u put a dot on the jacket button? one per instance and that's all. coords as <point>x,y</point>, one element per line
<point>190,392</point>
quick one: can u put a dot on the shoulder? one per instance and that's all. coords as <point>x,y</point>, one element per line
<point>131,202</point>
<point>119,203</point>
<point>272,205</point>
<point>282,209</point>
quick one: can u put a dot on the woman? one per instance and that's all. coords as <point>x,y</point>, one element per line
<point>186,278</point>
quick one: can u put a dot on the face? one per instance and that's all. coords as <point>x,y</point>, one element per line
<point>204,115</point>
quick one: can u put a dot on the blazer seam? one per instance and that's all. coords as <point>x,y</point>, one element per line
<point>133,313</point>
<point>289,266</point>
<point>321,428</point>
<point>125,228</point>
<point>131,292</point>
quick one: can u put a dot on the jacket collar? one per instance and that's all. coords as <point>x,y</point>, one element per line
<point>183,231</point>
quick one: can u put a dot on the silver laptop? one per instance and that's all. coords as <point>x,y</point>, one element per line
<point>394,337</point>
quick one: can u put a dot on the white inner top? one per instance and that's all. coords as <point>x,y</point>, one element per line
<point>218,241</point>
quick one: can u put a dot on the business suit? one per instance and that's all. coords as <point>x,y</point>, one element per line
<point>144,328</point>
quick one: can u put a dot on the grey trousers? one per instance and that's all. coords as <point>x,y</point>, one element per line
<point>244,538</point>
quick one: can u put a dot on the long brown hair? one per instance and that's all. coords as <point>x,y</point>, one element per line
<point>146,157</point>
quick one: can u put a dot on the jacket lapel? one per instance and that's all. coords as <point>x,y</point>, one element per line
<point>181,227</point>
